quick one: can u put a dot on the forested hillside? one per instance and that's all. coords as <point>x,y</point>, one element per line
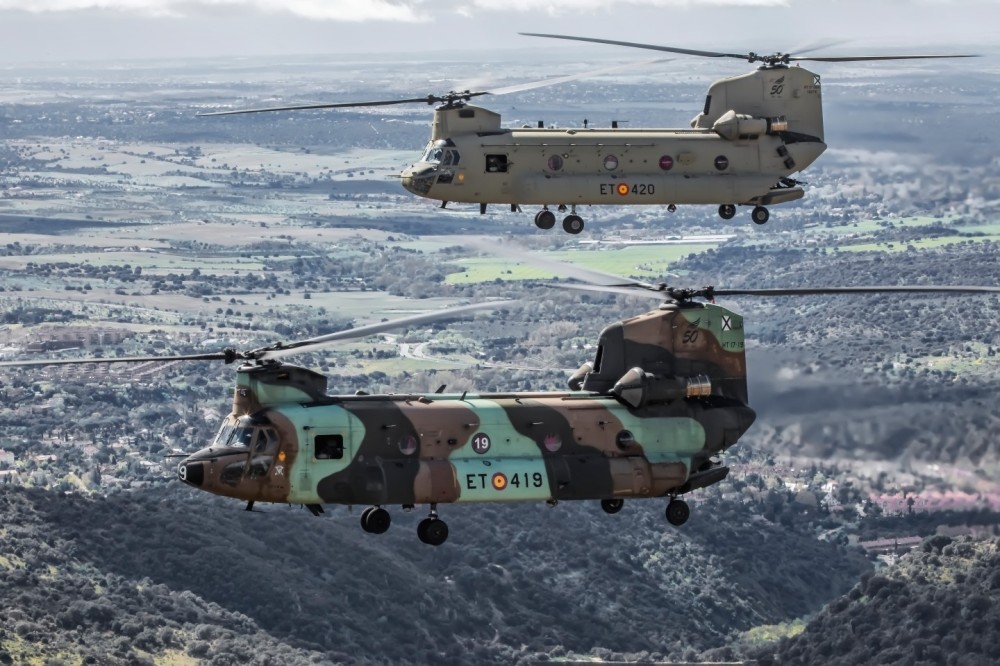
<point>91,576</point>
<point>940,605</point>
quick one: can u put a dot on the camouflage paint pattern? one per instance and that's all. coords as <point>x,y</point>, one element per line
<point>287,441</point>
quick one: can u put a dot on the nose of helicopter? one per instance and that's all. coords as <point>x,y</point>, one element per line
<point>419,178</point>
<point>191,470</point>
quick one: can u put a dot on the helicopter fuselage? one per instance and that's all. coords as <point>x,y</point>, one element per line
<point>438,448</point>
<point>664,396</point>
<point>755,131</point>
<point>611,167</point>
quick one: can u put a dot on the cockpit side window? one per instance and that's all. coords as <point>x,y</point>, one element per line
<point>267,440</point>
<point>243,438</point>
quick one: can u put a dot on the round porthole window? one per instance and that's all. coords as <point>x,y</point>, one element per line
<point>408,445</point>
<point>555,163</point>
<point>721,162</point>
<point>610,162</point>
<point>553,442</point>
<point>624,439</point>
<point>666,162</point>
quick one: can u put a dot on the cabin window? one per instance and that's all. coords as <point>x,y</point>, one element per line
<point>708,104</point>
<point>466,113</point>
<point>496,164</point>
<point>329,447</point>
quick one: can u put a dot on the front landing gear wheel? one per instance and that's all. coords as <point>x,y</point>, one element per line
<point>432,531</point>
<point>375,520</point>
<point>678,512</point>
<point>760,215</point>
<point>727,211</point>
<point>545,219</point>
<point>612,505</point>
<point>573,224</point>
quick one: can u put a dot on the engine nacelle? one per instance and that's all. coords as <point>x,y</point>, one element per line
<point>638,388</point>
<point>576,379</point>
<point>739,126</point>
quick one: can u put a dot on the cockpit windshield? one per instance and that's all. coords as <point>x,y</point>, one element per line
<point>242,434</point>
<point>440,152</point>
<point>434,152</point>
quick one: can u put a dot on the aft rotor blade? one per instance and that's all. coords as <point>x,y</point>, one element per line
<point>227,355</point>
<point>651,47</point>
<point>313,344</point>
<point>887,57</point>
<point>773,59</point>
<point>877,289</point>
<point>429,99</point>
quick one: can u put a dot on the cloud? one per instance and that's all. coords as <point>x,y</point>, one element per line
<point>562,6</point>
<point>330,10</point>
<point>362,10</point>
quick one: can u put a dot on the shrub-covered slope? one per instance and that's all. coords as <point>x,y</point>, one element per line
<point>513,583</point>
<point>938,605</point>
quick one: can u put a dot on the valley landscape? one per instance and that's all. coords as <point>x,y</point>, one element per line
<point>867,489</point>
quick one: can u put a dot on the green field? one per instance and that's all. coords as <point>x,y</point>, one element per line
<point>650,262</point>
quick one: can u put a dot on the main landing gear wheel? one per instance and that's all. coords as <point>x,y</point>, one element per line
<point>375,520</point>
<point>432,531</point>
<point>612,505</point>
<point>678,512</point>
<point>760,215</point>
<point>727,211</point>
<point>545,219</point>
<point>573,224</point>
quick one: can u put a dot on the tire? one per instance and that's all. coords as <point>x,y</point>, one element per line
<point>727,211</point>
<point>678,512</point>
<point>435,531</point>
<point>760,215</point>
<point>545,219</point>
<point>573,224</point>
<point>377,521</point>
<point>364,517</point>
<point>612,506</point>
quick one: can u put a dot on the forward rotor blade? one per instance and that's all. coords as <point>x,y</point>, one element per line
<point>574,77</point>
<point>651,47</point>
<point>430,99</point>
<point>228,356</point>
<point>313,344</point>
<point>625,290</point>
<point>884,289</point>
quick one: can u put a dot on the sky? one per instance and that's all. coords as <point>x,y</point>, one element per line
<point>124,30</point>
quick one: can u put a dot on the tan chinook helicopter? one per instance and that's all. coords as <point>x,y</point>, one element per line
<point>648,417</point>
<point>754,133</point>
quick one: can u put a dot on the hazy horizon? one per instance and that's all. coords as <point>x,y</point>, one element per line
<point>131,30</point>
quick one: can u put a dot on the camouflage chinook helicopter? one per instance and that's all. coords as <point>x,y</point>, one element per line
<point>665,394</point>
